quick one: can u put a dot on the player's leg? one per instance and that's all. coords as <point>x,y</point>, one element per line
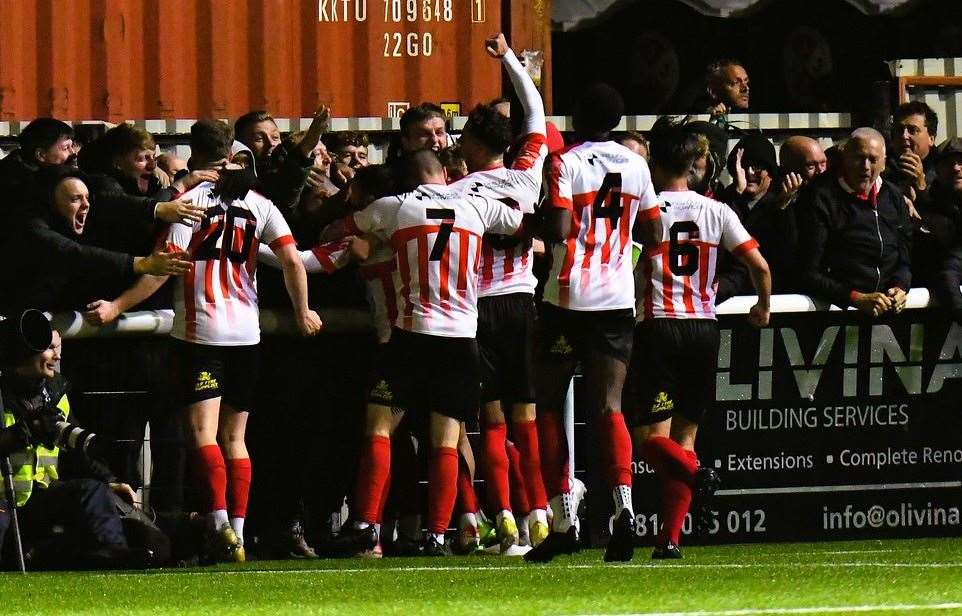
<point>676,471</point>
<point>695,397</point>
<point>452,396</point>
<point>469,534</point>
<point>199,379</point>
<point>442,480</point>
<point>372,483</point>
<point>231,428</point>
<point>497,341</point>
<point>519,494</point>
<point>494,433</point>
<point>557,359</point>
<point>496,467</point>
<point>524,434</point>
<point>202,420</point>
<point>604,381</point>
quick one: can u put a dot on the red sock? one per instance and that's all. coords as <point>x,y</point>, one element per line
<point>442,488</point>
<point>519,492</point>
<point>467,497</point>
<point>239,484</point>
<point>372,479</point>
<point>213,474</point>
<point>526,438</point>
<point>676,468</point>
<point>554,453</point>
<point>675,500</point>
<point>618,447</point>
<point>383,502</point>
<point>668,458</point>
<point>495,465</point>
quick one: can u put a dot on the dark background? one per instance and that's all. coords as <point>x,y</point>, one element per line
<point>819,55</point>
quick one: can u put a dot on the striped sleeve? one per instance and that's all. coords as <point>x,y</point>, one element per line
<point>559,184</point>
<point>276,232</point>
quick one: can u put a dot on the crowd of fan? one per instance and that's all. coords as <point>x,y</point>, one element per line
<point>857,225</point>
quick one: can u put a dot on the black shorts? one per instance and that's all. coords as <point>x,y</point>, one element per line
<point>672,370</point>
<point>381,390</point>
<point>227,372</point>
<point>435,374</point>
<point>565,335</point>
<point>506,344</point>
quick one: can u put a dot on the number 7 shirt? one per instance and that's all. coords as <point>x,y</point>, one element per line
<point>606,187</point>
<point>436,235</point>
<point>216,302</point>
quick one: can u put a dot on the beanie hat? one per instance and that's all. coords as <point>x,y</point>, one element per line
<point>758,152</point>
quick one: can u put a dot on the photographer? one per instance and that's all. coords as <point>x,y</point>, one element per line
<point>34,401</point>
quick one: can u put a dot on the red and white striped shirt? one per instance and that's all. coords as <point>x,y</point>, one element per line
<point>506,263</point>
<point>605,186</point>
<point>380,274</point>
<point>435,232</point>
<point>216,302</point>
<point>677,279</point>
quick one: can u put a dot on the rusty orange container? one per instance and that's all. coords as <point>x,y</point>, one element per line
<point>120,60</point>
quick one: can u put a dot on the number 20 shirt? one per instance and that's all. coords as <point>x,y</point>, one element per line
<point>216,302</point>
<point>605,186</point>
<point>436,235</point>
<point>676,278</point>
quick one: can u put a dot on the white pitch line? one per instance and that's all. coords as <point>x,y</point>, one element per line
<point>844,609</point>
<point>650,566</point>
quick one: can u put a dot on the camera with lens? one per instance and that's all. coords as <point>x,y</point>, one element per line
<point>39,421</point>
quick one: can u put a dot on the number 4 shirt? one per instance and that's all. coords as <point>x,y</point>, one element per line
<point>605,186</point>
<point>676,279</point>
<point>436,235</point>
<point>216,302</point>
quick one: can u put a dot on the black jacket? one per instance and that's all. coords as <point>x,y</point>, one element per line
<point>16,189</point>
<point>49,267</point>
<point>937,249</point>
<point>936,236</point>
<point>847,244</point>
<point>775,230</point>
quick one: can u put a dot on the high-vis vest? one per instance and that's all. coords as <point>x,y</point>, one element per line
<point>33,464</point>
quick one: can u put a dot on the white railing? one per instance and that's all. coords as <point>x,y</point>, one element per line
<point>348,320</point>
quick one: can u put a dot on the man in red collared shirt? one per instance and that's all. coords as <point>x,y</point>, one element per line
<point>854,232</point>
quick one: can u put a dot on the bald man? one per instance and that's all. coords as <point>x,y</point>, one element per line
<point>854,232</point>
<point>801,160</point>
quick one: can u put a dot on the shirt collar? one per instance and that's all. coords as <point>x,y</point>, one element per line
<point>871,196</point>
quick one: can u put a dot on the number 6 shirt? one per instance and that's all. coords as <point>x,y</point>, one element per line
<point>605,186</point>
<point>216,302</point>
<point>436,235</point>
<point>676,278</point>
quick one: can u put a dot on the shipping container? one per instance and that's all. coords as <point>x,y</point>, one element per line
<point>120,60</point>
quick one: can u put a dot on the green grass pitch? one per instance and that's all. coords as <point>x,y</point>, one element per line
<point>875,577</point>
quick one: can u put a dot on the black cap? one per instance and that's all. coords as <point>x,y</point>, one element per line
<point>948,147</point>
<point>23,336</point>
<point>759,152</point>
